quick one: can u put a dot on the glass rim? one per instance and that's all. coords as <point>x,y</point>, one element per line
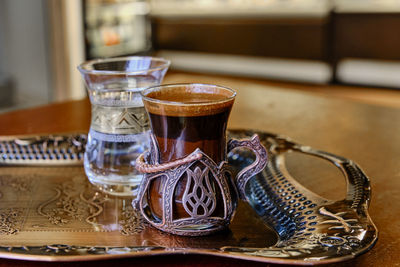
<point>84,67</point>
<point>168,102</point>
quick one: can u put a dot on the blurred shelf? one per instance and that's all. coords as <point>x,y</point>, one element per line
<point>369,72</point>
<point>367,6</point>
<point>238,9</point>
<point>311,71</point>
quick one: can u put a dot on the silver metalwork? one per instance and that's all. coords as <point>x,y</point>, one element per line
<point>199,199</point>
<point>257,166</point>
<point>189,225</point>
<point>36,150</point>
<point>311,229</point>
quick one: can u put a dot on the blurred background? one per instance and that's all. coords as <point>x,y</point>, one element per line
<point>355,43</point>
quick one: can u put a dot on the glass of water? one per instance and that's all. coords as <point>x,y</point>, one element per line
<point>119,129</point>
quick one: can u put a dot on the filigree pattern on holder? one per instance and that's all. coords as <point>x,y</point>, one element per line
<point>199,170</point>
<point>205,181</point>
<point>199,198</point>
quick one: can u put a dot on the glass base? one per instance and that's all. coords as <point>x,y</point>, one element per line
<point>116,188</point>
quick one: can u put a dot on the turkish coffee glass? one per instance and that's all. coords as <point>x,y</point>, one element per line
<point>188,188</point>
<point>119,129</point>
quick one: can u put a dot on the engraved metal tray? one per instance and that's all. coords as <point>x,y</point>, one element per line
<point>54,214</point>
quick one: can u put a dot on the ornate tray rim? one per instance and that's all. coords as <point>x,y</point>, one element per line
<point>88,257</point>
<point>295,246</point>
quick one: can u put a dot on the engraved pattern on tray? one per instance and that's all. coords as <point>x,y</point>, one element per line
<point>55,214</point>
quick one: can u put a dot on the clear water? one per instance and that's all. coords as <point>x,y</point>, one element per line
<point>118,135</point>
<point>119,129</point>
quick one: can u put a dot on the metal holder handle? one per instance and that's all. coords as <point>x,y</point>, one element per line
<point>254,168</point>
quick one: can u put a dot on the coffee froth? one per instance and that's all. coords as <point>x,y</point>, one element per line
<point>185,100</point>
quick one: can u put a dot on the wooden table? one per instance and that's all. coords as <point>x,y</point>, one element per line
<point>367,134</point>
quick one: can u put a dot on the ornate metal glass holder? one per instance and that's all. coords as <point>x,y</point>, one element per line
<point>210,195</point>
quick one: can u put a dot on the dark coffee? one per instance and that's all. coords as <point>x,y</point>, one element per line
<point>179,136</point>
<point>193,120</point>
<point>183,119</point>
